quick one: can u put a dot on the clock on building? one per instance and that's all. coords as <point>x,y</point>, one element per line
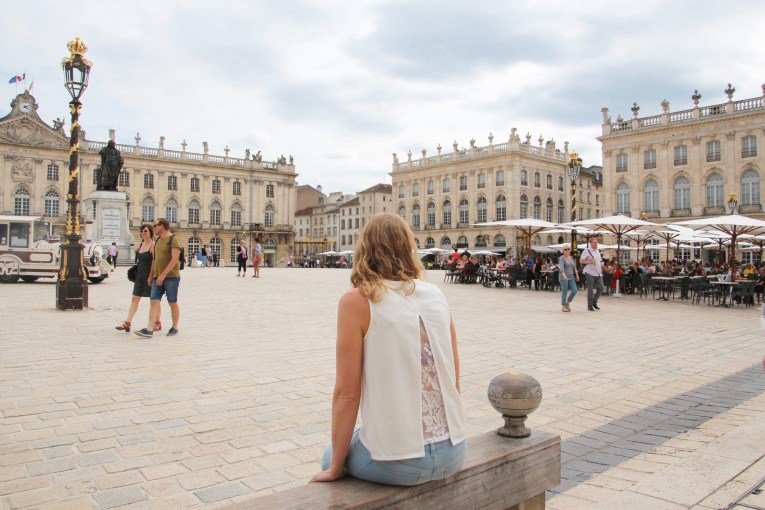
<point>25,107</point>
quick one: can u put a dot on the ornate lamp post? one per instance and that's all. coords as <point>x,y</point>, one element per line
<point>574,167</point>
<point>71,286</point>
<point>732,209</point>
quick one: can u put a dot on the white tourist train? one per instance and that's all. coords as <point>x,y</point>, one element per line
<point>28,251</point>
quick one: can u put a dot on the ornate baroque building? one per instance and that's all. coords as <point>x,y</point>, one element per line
<point>442,197</point>
<point>677,165</point>
<point>209,200</point>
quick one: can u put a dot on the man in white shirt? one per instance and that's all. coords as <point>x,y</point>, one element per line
<point>593,272</point>
<point>111,254</point>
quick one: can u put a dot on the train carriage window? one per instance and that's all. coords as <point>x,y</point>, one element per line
<point>3,234</point>
<point>41,230</point>
<point>19,235</point>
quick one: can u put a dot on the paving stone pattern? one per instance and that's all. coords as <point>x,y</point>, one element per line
<point>238,404</point>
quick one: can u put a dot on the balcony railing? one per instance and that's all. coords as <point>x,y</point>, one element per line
<point>653,214</point>
<point>679,213</point>
<point>750,208</point>
<point>714,211</point>
<point>748,153</point>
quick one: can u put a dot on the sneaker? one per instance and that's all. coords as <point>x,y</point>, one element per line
<point>145,332</point>
<point>591,309</point>
<point>172,331</point>
<point>596,307</point>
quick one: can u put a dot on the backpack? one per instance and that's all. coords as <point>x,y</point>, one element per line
<point>182,257</point>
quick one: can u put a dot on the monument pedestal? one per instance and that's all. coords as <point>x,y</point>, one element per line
<point>108,209</point>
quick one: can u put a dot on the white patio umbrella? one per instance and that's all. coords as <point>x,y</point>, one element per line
<point>529,227</point>
<point>640,237</point>
<point>346,252</point>
<point>732,224</point>
<point>329,254</point>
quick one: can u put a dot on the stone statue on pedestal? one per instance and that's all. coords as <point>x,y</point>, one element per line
<point>111,165</point>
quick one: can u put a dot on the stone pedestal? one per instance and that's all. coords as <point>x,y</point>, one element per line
<point>108,210</point>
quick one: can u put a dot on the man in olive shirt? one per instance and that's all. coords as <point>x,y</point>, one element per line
<point>165,277</point>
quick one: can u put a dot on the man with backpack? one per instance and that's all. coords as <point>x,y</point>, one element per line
<point>165,277</point>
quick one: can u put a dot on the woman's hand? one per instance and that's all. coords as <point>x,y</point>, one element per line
<point>326,476</point>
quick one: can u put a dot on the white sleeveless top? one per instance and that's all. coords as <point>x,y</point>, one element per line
<point>399,398</point>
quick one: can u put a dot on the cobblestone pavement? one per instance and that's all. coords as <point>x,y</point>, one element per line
<point>659,405</point>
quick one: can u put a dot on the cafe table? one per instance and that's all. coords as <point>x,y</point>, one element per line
<point>724,294</point>
<point>664,287</point>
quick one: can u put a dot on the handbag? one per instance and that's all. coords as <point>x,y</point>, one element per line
<point>132,272</point>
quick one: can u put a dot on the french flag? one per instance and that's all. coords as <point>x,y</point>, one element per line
<point>18,78</point>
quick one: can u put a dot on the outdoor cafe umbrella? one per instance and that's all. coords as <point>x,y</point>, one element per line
<point>329,254</point>
<point>732,224</point>
<point>640,237</point>
<point>529,227</point>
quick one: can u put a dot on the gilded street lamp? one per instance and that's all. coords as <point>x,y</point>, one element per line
<point>574,167</point>
<point>71,286</point>
<point>732,209</point>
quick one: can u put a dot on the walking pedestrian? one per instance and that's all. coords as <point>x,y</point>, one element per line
<point>165,277</point>
<point>568,278</point>
<point>593,273</point>
<point>209,256</point>
<point>111,254</point>
<point>241,258</point>
<point>257,257</point>
<point>141,286</point>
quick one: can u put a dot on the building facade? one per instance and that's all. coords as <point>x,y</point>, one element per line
<point>444,196</point>
<point>208,199</point>
<point>677,165</point>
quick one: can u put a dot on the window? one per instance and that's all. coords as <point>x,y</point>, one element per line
<point>236,215</point>
<point>401,191</point>
<point>447,185</point>
<point>171,211</point>
<point>216,186</point>
<point>681,155</point>
<point>269,191</point>
<point>501,206</point>
<point>447,213</point>
<point>148,181</point>
<point>431,187</point>
<point>430,242</point>
<point>96,173</point>
<point>342,240</point>
<point>623,198</point>
<point>549,181</point>
<point>147,209</point>
<point>682,189</point>
<point>481,210</point>
<point>415,214</point>
<point>713,150</point>
<point>524,207</point>
<point>401,212</point>
<point>537,180</point>
<point>621,162</point>
<point>561,211</point>
<point>431,214</point>
<point>232,249</point>
<point>215,213</point>
<point>124,178</point>
<point>500,179</point>
<point>750,187</point>
<point>480,241</point>
<point>269,216</point>
<point>749,146</point>
<point>52,172</point>
<point>194,184</point>
<point>416,189</point>
<point>19,235</point>
<point>462,241</point>
<point>651,196</point>
<point>355,223</point>
<point>560,183</point>
<point>524,178</point>
<point>549,210</point>
<point>215,246</point>
<point>464,212</point>
<point>236,188</point>
<point>194,243</point>
<point>52,203</point>
<point>482,180</point>
<point>499,240</point>
<point>172,183</point>
<point>446,242</point>
<point>715,190</point>
<point>649,159</point>
<point>194,212</point>
<point>537,208</point>
<point>463,182</point>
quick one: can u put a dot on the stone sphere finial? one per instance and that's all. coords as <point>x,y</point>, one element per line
<point>515,396</point>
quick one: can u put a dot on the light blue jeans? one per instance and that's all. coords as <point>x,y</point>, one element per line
<point>441,460</point>
<point>567,287</point>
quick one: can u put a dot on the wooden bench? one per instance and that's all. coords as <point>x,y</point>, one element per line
<point>499,473</point>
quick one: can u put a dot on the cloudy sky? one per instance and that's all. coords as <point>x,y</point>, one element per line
<point>342,85</point>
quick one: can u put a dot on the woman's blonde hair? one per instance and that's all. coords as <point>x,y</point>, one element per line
<point>385,251</point>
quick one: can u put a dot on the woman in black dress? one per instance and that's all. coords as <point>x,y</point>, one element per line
<point>141,287</point>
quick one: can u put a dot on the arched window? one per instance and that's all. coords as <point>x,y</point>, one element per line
<point>147,209</point>
<point>215,209</point>
<point>715,191</point>
<point>269,214</point>
<point>194,212</point>
<point>401,212</point>
<point>537,208</point>
<point>236,215</point>
<point>447,185</point>
<point>623,198</point>
<point>480,241</point>
<point>499,240</point>
<point>651,196</point>
<point>401,191</point>
<point>215,246</point>
<point>194,185</point>
<point>216,186</point>
<point>430,242</point>
<point>561,211</point>
<point>194,243</point>
<point>464,211</point>
<point>172,183</point>
<point>416,216</point>
<point>481,210</point>
<point>549,210</point>
<point>750,187</point>
<point>482,180</point>
<point>524,207</point>
<point>52,203</point>
<point>501,212</point>
<point>232,249</point>
<point>462,241</point>
<point>148,181</point>
<point>446,242</point>
<point>431,211</point>
<point>682,187</point>
<point>124,178</point>
<point>52,172</point>
<point>171,211</point>
<point>447,214</point>
<point>236,188</point>
<point>549,240</point>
